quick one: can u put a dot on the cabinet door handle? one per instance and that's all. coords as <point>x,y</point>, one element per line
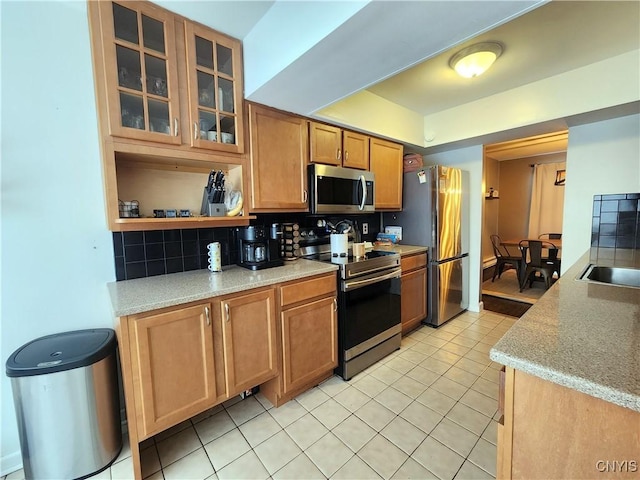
<point>208,314</point>
<point>346,156</point>
<point>339,156</point>
<point>195,131</point>
<point>226,309</point>
<point>335,304</point>
<point>305,196</point>
<point>175,127</point>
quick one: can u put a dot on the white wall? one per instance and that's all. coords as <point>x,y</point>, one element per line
<point>470,160</point>
<point>56,251</point>
<point>602,157</point>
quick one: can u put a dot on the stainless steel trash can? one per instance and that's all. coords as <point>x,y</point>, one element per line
<point>65,392</point>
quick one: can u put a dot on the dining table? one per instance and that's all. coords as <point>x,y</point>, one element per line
<point>557,242</point>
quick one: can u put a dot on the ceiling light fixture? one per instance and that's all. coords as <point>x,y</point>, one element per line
<point>476,59</point>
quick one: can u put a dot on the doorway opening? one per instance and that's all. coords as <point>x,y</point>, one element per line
<point>523,183</point>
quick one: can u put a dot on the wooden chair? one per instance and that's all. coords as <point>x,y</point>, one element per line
<point>503,257</point>
<point>536,262</point>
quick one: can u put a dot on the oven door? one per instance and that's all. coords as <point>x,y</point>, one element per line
<point>369,311</point>
<point>340,190</point>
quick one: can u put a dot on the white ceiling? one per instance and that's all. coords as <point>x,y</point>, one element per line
<point>399,50</point>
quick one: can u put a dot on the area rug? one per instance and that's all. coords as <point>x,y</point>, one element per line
<point>505,306</point>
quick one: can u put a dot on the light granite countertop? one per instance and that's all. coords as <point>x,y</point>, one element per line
<point>581,335</point>
<point>402,249</point>
<point>144,294</point>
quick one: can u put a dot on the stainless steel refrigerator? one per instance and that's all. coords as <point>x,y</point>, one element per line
<point>434,206</point>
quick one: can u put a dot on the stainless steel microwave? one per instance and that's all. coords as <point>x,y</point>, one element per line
<point>340,190</point>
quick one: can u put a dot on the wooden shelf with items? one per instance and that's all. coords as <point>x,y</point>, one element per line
<point>158,180</point>
<point>165,79</point>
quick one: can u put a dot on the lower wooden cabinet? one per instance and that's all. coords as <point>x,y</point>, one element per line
<point>413,303</point>
<point>308,335</point>
<point>249,338</point>
<point>179,361</point>
<point>551,431</point>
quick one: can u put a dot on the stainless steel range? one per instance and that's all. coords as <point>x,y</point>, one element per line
<point>368,306</point>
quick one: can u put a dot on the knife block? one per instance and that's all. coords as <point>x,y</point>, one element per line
<point>212,209</point>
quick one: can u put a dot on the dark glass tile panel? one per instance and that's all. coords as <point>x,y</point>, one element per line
<point>189,248</point>
<point>627,217</point>
<point>174,265</point>
<point>606,241</point>
<point>190,235</point>
<point>133,253</point>
<point>154,251</point>
<point>628,205</point>
<point>607,229</point>
<point>153,236</point>
<point>172,236</point>
<point>609,217</point>
<point>133,238</point>
<point>191,263</point>
<point>614,196</point>
<point>118,247</point>
<point>632,196</point>
<point>221,235</point>
<point>205,235</point>
<point>594,239</point>
<point>609,206</point>
<point>595,225</point>
<point>596,208</point>
<point>627,229</point>
<point>625,242</point>
<point>155,267</point>
<point>173,249</point>
<point>204,259</point>
<point>136,270</point>
<point>121,273</point>
<point>597,197</point>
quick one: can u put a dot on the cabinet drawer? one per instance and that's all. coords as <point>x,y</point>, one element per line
<point>301,290</point>
<point>413,262</point>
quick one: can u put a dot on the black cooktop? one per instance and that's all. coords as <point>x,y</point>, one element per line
<point>351,266</point>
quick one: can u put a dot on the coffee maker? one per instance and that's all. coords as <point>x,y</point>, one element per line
<point>257,249</point>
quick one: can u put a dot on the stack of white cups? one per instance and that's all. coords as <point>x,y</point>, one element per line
<point>215,260</point>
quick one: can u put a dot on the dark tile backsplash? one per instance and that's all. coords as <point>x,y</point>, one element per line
<point>158,252</point>
<point>616,221</point>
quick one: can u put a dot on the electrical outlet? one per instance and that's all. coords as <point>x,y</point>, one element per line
<point>365,228</point>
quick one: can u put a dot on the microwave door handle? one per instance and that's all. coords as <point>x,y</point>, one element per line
<point>363,185</point>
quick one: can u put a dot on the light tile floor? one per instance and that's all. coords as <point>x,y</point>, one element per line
<point>426,411</point>
<point>507,286</point>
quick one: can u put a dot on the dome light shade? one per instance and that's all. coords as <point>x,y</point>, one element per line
<point>476,59</point>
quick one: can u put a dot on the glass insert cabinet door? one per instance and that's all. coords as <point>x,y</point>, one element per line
<point>141,69</point>
<point>215,89</point>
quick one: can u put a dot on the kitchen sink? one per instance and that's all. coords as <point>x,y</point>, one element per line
<point>624,277</point>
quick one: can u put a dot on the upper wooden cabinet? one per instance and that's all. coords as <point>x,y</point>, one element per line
<point>331,145</point>
<point>279,147</point>
<point>165,79</point>
<point>386,163</point>
<point>356,150</point>
<point>214,73</point>
<point>169,101</point>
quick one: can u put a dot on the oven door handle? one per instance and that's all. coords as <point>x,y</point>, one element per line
<point>353,284</point>
<point>363,185</point>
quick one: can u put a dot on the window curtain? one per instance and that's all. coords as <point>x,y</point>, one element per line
<point>547,200</point>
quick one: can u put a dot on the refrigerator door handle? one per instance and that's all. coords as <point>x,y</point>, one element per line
<point>363,185</point>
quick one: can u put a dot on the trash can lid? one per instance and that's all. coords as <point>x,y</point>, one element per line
<point>61,351</point>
